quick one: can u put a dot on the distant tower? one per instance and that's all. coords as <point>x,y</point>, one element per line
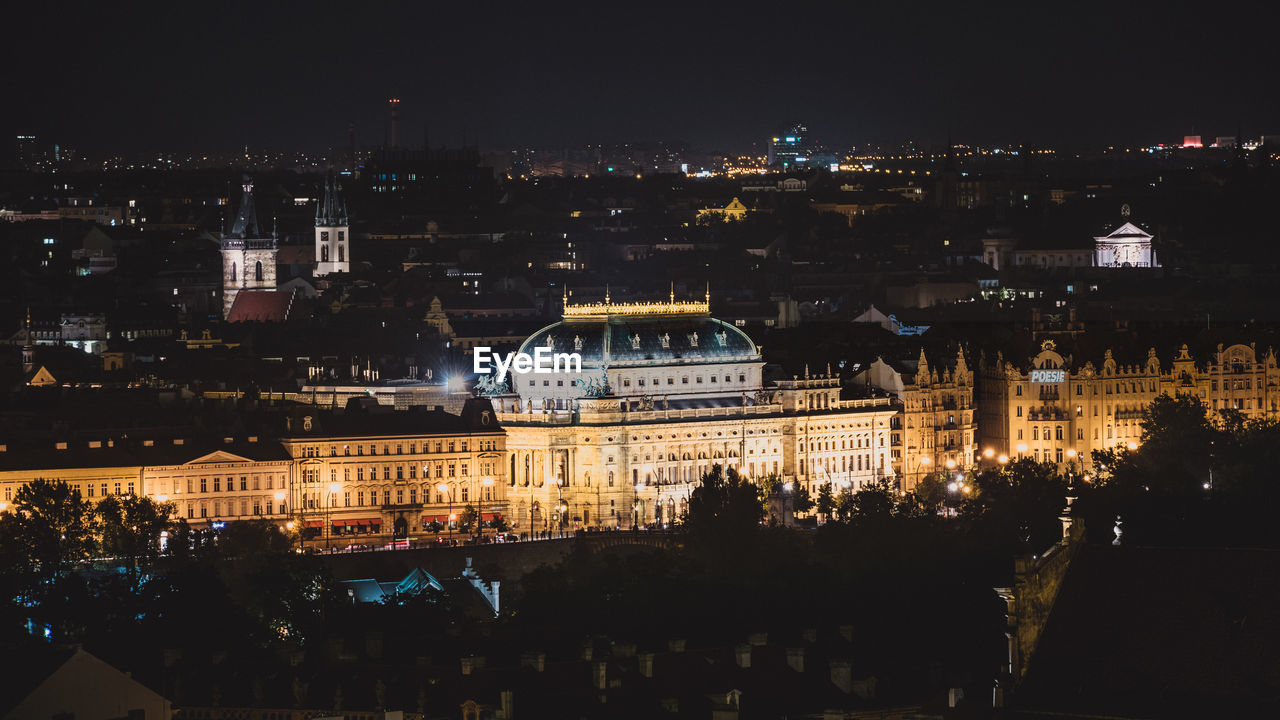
<point>332,232</point>
<point>394,105</point>
<point>248,258</point>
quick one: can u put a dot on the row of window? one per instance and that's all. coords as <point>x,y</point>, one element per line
<point>438,446</point>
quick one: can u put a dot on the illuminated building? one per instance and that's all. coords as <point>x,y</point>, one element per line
<point>666,392</point>
<point>248,258</point>
<point>394,472</point>
<point>936,427</point>
<point>212,482</point>
<point>1126,246</point>
<point>333,233</point>
<point>1057,411</point>
<point>735,210</point>
<point>788,150</point>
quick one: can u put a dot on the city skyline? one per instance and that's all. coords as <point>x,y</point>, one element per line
<point>719,78</point>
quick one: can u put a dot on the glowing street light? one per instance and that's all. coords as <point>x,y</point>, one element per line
<point>1002,459</point>
<point>444,490</point>
<point>988,453</point>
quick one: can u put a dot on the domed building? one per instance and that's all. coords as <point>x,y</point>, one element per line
<point>634,351</point>
<point>664,393</point>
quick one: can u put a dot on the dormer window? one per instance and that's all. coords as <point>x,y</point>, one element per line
<point>635,342</point>
<point>666,340</point>
<point>551,341</point>
<point>722,338</point>
<point>693,339</point>
<point>577,342</point>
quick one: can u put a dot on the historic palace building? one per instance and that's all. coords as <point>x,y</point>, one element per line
<point>664,393</point>
<point>936,426</point>
<point>1053,410</point>
<point>334,477</point>
<point>379,470</point>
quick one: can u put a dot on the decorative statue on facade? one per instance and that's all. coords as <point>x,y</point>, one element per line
<point>594,388</point>
<point>646,402</point>
<point>488,386</point>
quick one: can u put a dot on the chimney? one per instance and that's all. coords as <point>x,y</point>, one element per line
<point>742,654</point>
<point>676,645</point>
<point>795,659</point>
<point>646,664</point>
<point>394,105</point>
<point>533,659</point>
<point>758,639</point>
<point>846,632</point>
<point>841,676</point>
<point>599,674</point>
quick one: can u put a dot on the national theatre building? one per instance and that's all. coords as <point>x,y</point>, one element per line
<point>665,392</point>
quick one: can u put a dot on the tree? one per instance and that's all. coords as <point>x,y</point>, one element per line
<point>1019,503</point>
<point>826,503</point>
<point>53,526</point>
<point>874,501</point>
<point>130,528</point>
<point>844,505</point>
<point>801,501</point>
<point>469,518</point>
<point>724,506</point>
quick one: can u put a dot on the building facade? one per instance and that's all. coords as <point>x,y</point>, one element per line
<point>404,473</point>
<point>936,424</point>
<point>1053,410</point>
<point>664,393</point>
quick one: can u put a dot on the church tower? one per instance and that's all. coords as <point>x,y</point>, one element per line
<point>332,232</point>
<point>248,256</point>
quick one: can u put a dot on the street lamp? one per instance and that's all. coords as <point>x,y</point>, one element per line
<point>328,513</point>
<point>924,461</point>
<point>988,453</point>
<point>487,483</point>
<point>1003,459</point>
<point>635,509</point>
<point>444,490</point>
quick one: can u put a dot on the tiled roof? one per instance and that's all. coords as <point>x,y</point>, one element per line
<point>261,306</point>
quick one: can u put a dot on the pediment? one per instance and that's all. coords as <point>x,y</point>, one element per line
<point>218,456</point>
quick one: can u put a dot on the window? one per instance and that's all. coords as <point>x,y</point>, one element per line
<point>203,485</point>
<point>244,483</point>
<point>1017,390</point>
<point>346,499</point>
<point>217,484</point>
<point>360,497</point>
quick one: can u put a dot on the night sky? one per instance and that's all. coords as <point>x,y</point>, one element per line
<point>213,76</point>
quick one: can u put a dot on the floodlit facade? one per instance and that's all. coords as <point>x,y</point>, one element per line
<point>936,426</point>
<point>665,392</point>
<point>1056,411</point>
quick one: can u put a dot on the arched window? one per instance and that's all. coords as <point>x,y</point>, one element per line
<point>257,271</point>
<point>233,272</point>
